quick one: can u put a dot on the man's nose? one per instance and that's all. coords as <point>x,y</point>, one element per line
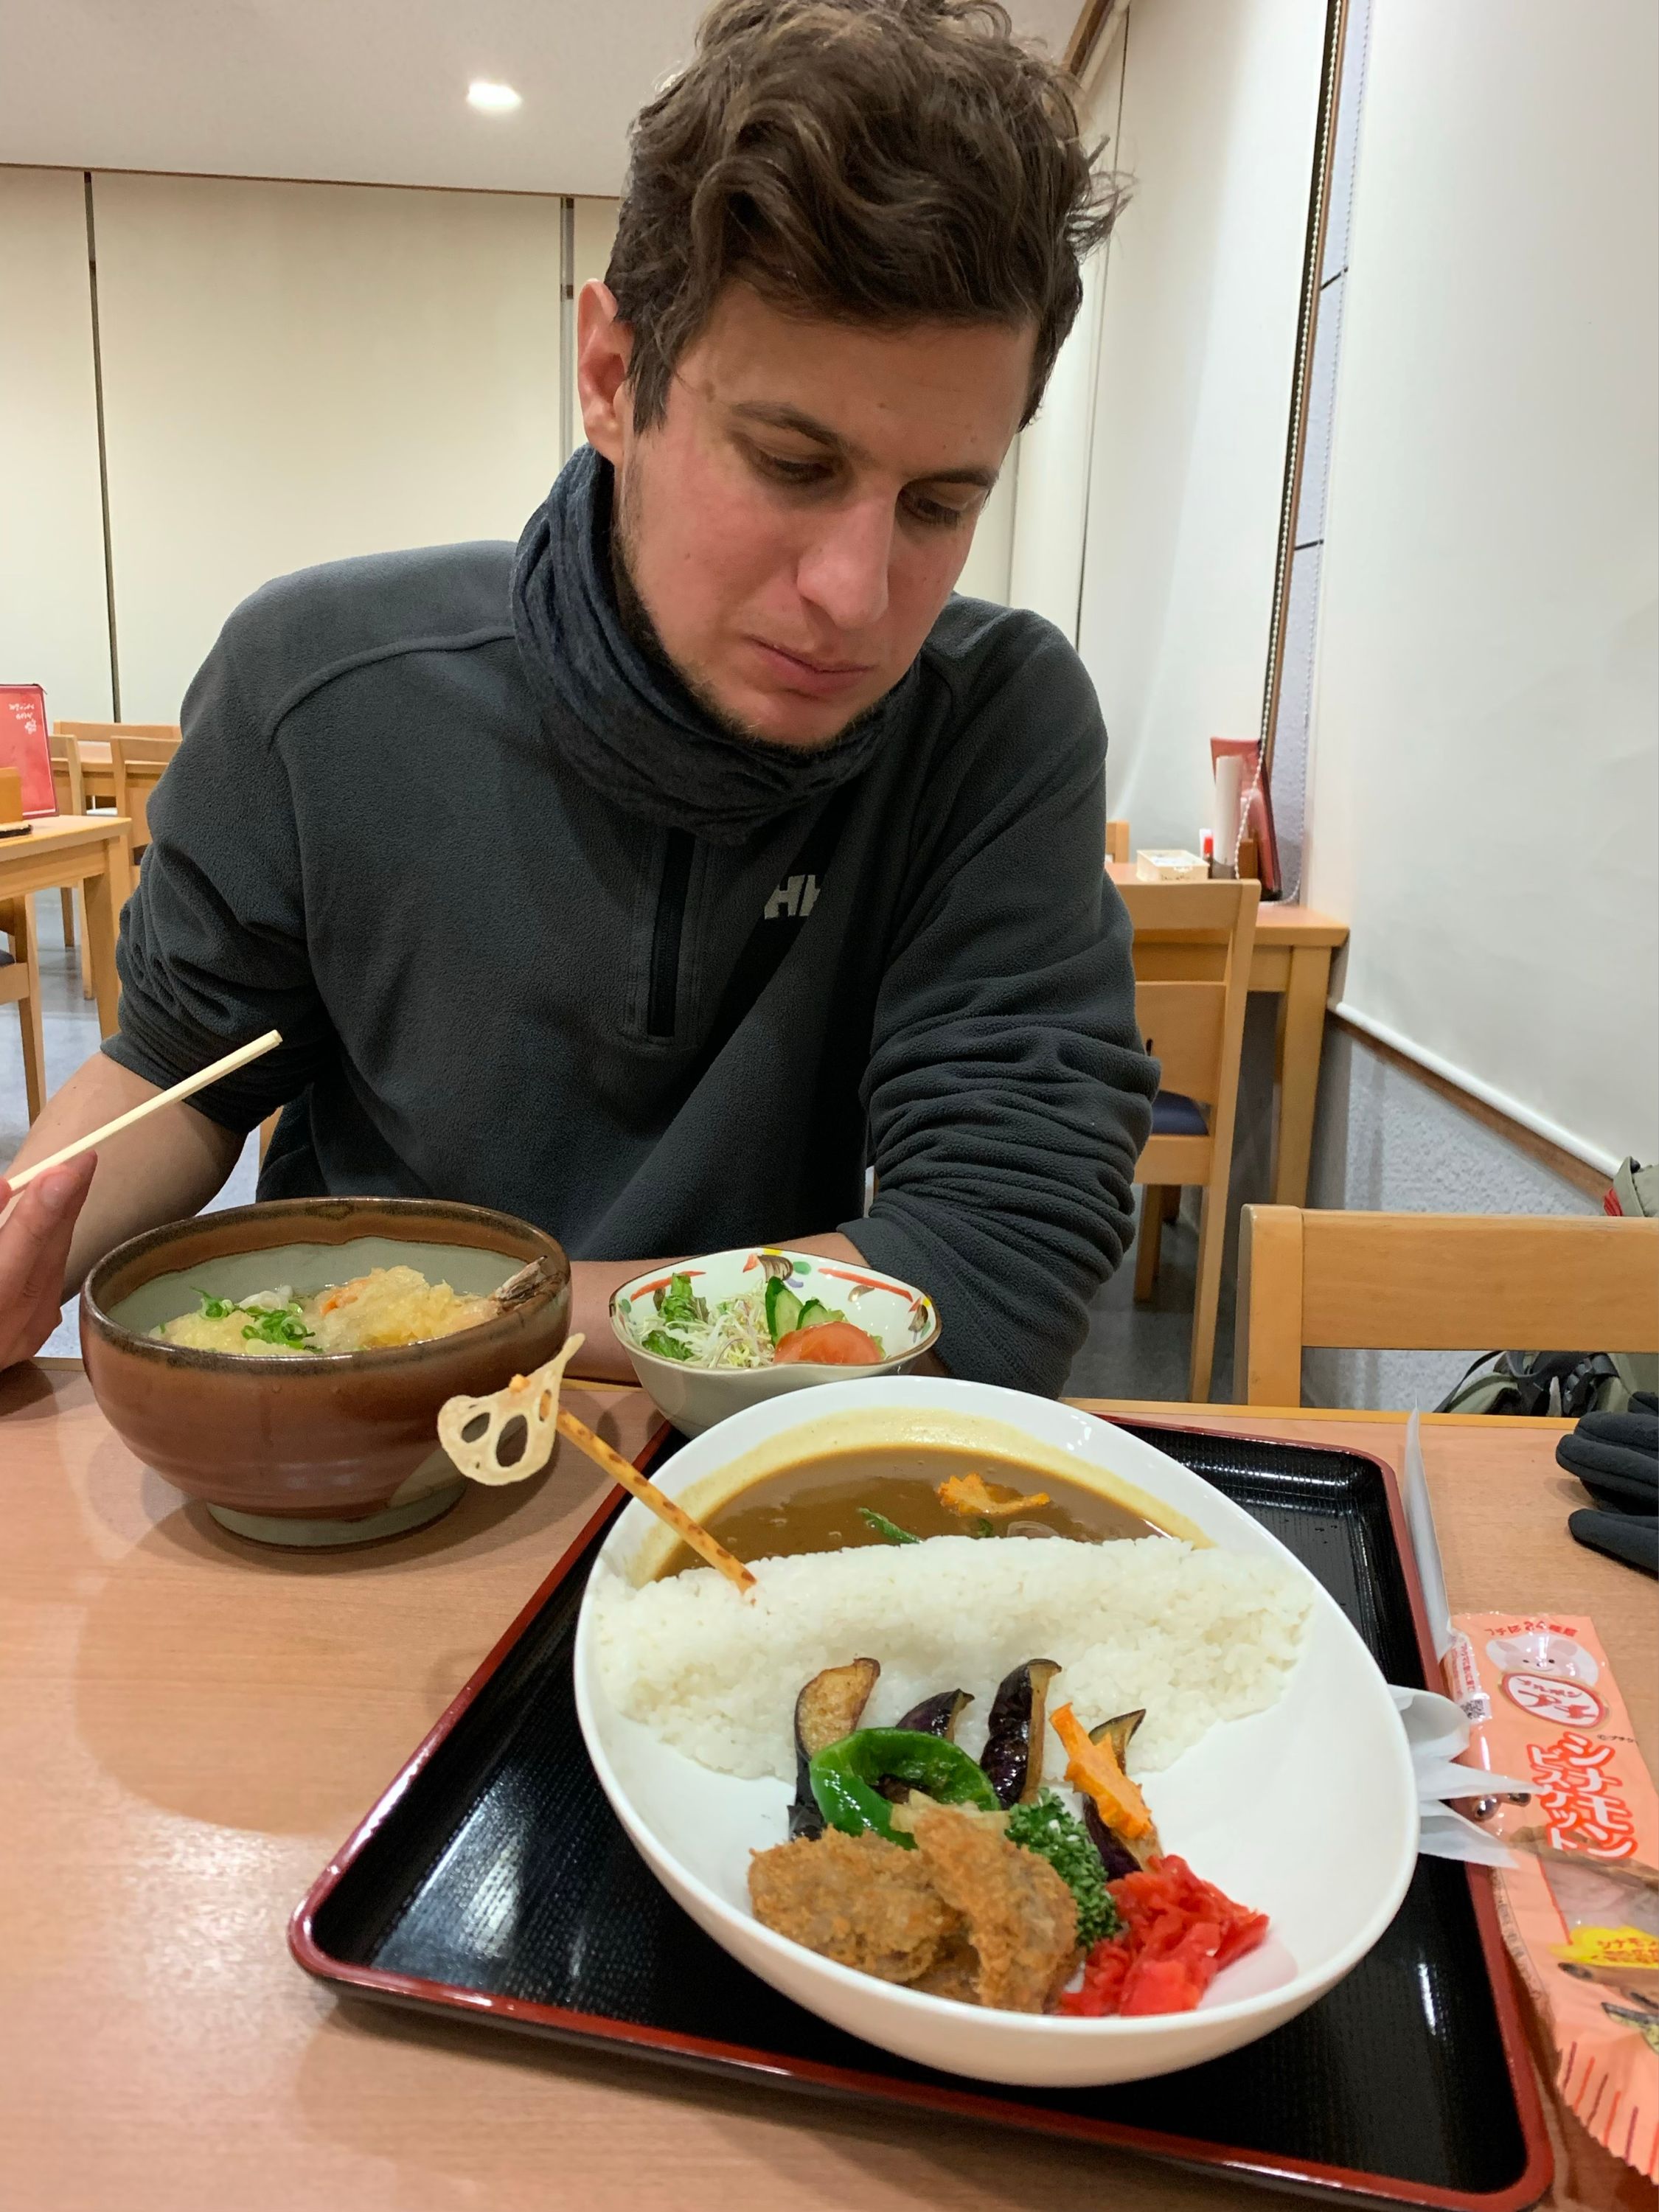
<point>844,569</point>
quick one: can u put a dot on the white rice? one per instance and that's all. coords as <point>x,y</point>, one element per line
<point>1194,1636</point>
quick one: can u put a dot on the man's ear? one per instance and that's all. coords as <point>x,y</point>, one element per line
<point>604,344</point>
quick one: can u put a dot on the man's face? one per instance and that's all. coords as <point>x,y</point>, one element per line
<point>800,515</point>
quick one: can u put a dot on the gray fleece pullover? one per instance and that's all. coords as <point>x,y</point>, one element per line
<point>497,985</point>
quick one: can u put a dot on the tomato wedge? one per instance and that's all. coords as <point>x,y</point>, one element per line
<point>829,1344</point>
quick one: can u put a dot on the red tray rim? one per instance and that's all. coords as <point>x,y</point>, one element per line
<point>1302,2174</point>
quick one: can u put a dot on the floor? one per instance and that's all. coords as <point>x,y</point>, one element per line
<point>1132,1352</point>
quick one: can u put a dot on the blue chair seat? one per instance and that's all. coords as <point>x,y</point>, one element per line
<point>1175,1115</point>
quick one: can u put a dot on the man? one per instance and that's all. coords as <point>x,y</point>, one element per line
<point>729,853</point>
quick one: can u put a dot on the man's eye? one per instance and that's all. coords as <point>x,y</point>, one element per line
<point>791,472</point>
<point>932,514</point>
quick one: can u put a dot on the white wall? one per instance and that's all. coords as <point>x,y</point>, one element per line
<point>54,628</point>
<point>985,573</point>
<point>1051,503</point>
<point>1484,746</point>
<point>1197,349</point>
<point>294,373</point>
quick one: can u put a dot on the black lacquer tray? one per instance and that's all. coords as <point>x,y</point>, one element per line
<point>492,1880</point>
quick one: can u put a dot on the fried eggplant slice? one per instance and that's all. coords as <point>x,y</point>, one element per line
<point>830,1707</point>
<point>1012,1757</point>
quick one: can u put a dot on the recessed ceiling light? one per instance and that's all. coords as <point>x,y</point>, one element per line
<point>494,99</point>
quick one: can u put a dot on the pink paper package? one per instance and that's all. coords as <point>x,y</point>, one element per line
<point>1580,1907</point>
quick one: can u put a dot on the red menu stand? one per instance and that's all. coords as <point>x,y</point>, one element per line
<point>23,746</point>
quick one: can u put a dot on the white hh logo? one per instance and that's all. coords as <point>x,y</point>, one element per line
<point>797,898</point>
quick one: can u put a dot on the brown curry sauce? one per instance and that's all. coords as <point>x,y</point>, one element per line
<point>813,1506</point>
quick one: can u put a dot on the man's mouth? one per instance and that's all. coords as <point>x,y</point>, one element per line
<point>819,679</point>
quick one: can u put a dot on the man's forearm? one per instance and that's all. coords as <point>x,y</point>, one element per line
<point>594,1281</point>
<point>167,1168</point>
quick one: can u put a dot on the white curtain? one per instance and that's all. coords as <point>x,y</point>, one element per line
<point>1484,752</point>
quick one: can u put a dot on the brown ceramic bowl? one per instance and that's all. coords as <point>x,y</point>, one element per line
<point>312,1448</point>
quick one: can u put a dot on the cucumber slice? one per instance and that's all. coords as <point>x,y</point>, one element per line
<point>814,1313</point>
<point>783,1310</point>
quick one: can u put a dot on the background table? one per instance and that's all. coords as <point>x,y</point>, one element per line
<point>189,1726</point>
<point>93,852</point>
<point>1292,960</point>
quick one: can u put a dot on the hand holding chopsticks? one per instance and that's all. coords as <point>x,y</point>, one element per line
<point>187,1089</point>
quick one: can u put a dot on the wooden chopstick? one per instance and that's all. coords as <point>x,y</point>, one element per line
<point>191,1085</point>
<point>708,1548</point>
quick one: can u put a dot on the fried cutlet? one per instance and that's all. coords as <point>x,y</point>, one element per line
<point>1016,1912</point>
<point>859,1899</point>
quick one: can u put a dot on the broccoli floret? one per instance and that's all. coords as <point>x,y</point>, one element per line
<point>1054,1832</point>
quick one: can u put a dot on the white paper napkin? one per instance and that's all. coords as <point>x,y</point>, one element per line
<point>1438,1731</point>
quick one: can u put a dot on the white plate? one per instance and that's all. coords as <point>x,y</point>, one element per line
<point>1306,1812</point>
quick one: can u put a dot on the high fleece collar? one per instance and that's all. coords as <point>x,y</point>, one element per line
<point>623,720</point>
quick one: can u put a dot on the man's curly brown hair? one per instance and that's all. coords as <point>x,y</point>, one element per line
<point>884,161</point>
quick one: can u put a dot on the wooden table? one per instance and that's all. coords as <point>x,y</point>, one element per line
<point>1292,960</point>
<point>190,1725</point>
<point>94,853</point>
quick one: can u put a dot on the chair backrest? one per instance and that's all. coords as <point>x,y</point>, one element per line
<point>133,755</point>
<point>1429,1282</point>
<point>1117,841</point>
<point>99,733</point>
<point>138,764</point>
<point>1192,944</point>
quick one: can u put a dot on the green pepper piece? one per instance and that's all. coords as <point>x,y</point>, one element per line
<point>843,1777</point>
<point>884,1527</point>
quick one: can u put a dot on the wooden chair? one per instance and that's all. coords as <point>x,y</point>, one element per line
<point>71,800</point>
<point>139,760</point>
<point>114,763</point>
<point>20,986</point>
<point>1117,841</point>
<point>1192,944</point>
<point>1435,1282</point>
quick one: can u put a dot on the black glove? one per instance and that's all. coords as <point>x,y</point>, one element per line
<point>1616,1457</point>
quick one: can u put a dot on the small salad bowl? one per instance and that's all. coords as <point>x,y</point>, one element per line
<point>758,1294</point>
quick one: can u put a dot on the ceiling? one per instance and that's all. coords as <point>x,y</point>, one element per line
<point>363,91</point>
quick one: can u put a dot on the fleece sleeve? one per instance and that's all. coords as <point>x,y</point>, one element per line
<point>212,949</point>
<point>1008,1093</point>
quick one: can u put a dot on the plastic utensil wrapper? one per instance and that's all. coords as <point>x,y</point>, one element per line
<point>1580,1904</point>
